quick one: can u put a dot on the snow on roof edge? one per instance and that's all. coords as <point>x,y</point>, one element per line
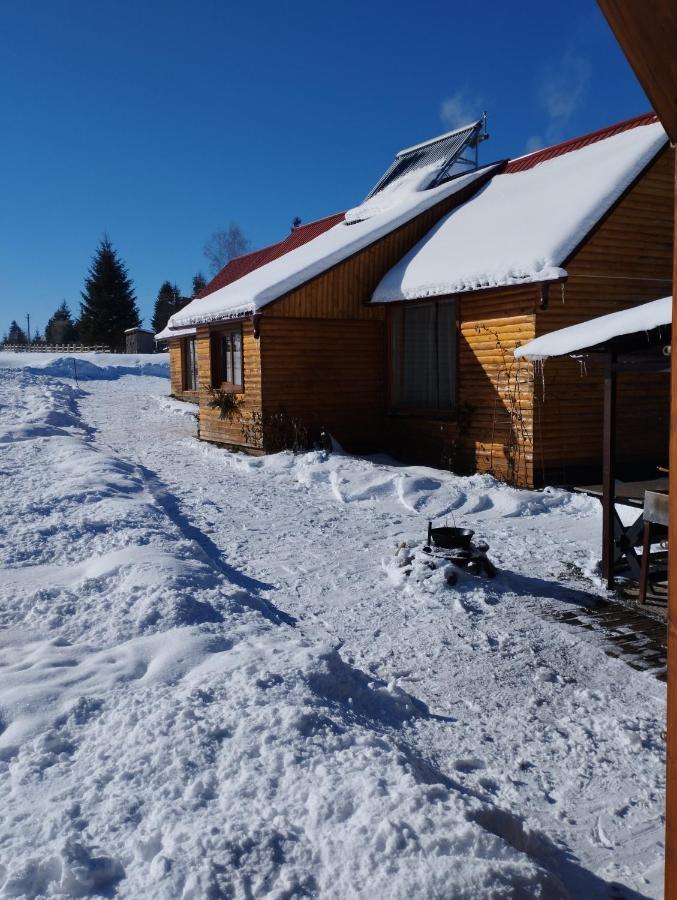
<point>273,280</point>
<point>585,335</point>
<point>167,333</point>
<point>501,235</point>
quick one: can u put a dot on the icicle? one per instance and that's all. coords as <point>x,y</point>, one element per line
<point>539,368</point>
<point>542,367</point>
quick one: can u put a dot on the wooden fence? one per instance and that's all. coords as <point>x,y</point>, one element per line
<point>55,348</point>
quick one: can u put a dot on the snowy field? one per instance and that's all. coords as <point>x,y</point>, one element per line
<point>217,679</point>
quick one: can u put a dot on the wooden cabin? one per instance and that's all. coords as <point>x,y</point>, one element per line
<point>311,340</point>
<point>543,424</point>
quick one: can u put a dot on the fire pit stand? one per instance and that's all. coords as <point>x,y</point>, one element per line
<point>455,545</point>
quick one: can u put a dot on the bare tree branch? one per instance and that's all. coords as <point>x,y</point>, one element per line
<point>224,245</point>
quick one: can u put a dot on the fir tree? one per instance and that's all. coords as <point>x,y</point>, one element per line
<point>167,302</point>
<point>16,334</point>
<point>61,328</point>
<point>199,284</point>
<point>109,304</point>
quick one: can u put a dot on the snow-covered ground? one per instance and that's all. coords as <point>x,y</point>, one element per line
<point>217,679</point>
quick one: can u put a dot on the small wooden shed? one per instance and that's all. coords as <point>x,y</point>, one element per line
<point>139,340</point>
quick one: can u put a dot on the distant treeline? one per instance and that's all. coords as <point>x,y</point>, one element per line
<point>108,307</point>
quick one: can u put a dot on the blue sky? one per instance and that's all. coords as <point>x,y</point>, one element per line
<point>158,122</point>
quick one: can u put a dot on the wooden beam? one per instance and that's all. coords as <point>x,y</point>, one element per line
<point>671,727</point>
<point>608,471</point>
<point>647,33</point>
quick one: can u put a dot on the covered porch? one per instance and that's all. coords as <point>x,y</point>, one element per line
<point>631,344</point>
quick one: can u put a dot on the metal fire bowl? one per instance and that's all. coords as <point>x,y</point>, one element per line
<point>451,538</point>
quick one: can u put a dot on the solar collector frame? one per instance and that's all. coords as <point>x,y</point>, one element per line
<point>444,151</point>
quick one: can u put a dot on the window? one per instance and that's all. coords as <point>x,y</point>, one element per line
<point>227,356</point>
<point>423,355</point>
<point>189,364</point>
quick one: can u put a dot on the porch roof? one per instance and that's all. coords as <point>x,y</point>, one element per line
<point>599,331</point>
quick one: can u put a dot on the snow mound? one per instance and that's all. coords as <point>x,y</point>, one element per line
<point>171,736</point>
<point>416,491</point>
<point>88,366</point>
<point>396,192</point>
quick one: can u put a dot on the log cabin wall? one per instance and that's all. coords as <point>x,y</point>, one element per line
<point>175,367</point>
<point>495,388</point>
<point>626,261</point>
<point>212,427</point>
<point>176,374</point>
<point>329,374</point>
<point>492,429</point>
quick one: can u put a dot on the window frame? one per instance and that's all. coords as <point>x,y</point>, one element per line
<point>431,412</point>
<point>218,366</point>
<point>186,364</point>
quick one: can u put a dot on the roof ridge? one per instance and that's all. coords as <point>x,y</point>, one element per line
<point>529,160</point>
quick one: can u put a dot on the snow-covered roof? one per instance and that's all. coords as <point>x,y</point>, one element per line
<point>523,225</point>
<point>577,338</point>
<point>167,333</point>
<point>240,266</point>
<point>398,204</point>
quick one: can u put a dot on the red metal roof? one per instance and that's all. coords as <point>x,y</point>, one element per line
<point>523,163</point>
<point>246,263</point>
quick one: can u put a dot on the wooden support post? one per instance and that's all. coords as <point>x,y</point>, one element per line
<point>644,570</point>
<point>671,726</point>
<point>608,472</point>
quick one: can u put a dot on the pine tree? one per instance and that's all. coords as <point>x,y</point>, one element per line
<point>199,284</point>
<point>16,335</point>
<point>167,302</point>
<point>61,328</point>
<point>109,304</point>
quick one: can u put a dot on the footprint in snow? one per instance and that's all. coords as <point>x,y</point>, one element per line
<point>472,764</point>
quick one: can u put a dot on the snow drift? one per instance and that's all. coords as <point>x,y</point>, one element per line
<point>88,366</point>
<point>167,733</point>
